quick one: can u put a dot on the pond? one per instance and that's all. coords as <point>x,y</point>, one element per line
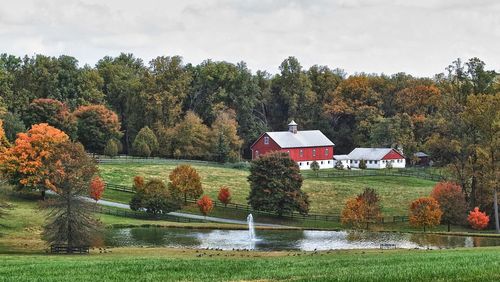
<point>276,240</point>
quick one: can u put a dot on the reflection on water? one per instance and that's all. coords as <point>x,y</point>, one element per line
<point>306,240</point>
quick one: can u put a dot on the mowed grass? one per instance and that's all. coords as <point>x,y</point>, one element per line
<point>480,264</point>
<point>327,195</point>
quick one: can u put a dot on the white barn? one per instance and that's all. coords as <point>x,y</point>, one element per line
<point>376,158</point>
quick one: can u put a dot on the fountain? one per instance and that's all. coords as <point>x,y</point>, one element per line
<point>251,228</point>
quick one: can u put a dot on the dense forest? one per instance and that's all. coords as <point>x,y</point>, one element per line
<point>215,110</point>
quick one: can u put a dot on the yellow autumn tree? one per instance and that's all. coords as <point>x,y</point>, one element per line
<point>225,142</point>
<point>4,143</point>
<point>185,181</point>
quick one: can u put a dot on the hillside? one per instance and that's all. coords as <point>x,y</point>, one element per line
<point>327,195</point>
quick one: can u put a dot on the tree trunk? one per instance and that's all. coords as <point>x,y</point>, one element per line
<point>43,194</point>
<point>448,226</point>
<point>495,210</point>
<point>424,227</point>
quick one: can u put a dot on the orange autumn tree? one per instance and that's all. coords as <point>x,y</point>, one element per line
<point>224,195</point>
<point>451,201</point>
<point>96,188</point>
<point>478,219</point>
<point>205,204</point>
<point>365,208</point>
<point>185,181</point>
<point>425,212</point>
<point>26,162</point>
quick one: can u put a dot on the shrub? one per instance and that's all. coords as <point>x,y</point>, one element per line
<point>141,149</point>
<point>155,198</point>
<point>148,137</point>
<point>315,167</point>
<point>111,149</point>
<point>477,219</point>
<point>224,195</point>
<point>96,188</point>
<point>205,204</point>
<point>362,164</point>
<point>339,165</point>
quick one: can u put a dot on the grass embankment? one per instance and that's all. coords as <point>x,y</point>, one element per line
<point>128,264</point>
<point>327,195</point>
<point>21,229</point>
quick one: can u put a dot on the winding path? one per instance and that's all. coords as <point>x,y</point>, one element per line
<point>188,215</point>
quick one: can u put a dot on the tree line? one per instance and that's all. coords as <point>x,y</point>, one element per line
<point>215,110</point>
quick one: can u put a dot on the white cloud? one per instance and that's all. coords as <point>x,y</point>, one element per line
<point>418,37</point>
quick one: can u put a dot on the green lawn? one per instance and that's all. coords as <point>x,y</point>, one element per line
<point>327,195</point>
<point>481,264</point>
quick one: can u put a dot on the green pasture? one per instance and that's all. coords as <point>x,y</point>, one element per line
<point>327,195</point>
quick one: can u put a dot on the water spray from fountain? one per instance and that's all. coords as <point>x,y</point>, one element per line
<point>251,228</point>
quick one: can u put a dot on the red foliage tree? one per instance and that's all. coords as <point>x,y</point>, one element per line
<point>224,195</point>
<point>451,201</point>
<point>205,204</point>
<point>138,183</point>
<point>478,219</point>
<point>96,188</point>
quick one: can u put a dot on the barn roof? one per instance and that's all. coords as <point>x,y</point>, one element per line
<point>369,153</point>
<point>341,157</point>
<point>304,138</point>
<point>420,155</point>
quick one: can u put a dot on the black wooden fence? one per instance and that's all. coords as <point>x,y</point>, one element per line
<point>143,215</point>
<point>249,209</point>
<point>379,172</point>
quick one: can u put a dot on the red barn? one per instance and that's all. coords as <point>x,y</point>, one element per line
<point>304,147</point>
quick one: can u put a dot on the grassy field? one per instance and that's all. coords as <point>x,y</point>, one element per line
<point>126,264</point>
<point>21,229</point>
<point>327,195</point>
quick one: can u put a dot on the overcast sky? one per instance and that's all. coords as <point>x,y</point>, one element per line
<point>418,37</point>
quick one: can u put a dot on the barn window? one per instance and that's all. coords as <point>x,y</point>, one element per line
<point>328,162</point>
<point>256,153</point>
<point>376,162</point>
<point>301,152</point>
<point>314,152</point>
<point>321,162</point>
<point>326,152</point>
<point>370,162</point>
<point>300,164</point>
<point>307,163</point>
<point>288,152</point>
<point>266,140</point>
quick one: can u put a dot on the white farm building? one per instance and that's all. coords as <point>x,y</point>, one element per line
<point>374,157</point>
